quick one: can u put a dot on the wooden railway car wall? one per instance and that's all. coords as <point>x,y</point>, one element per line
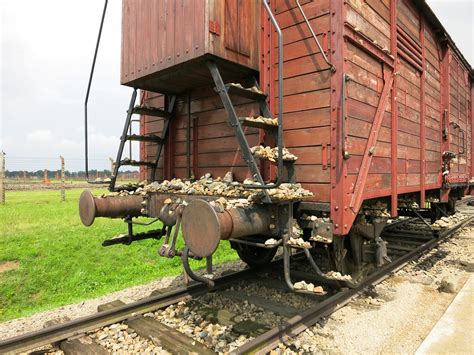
<point>377,127</point>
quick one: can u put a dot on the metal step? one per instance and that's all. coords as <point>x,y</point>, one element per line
<point>148,138</point>
<point>151,111</point>
<point>248,123</point>
<point>136,163</point>
<point>233,89</point>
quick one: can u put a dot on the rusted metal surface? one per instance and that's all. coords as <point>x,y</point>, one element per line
<point>91,207</point>
<point>204,228</point>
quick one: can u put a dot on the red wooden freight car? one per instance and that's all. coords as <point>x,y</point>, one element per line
<point>372,96</point>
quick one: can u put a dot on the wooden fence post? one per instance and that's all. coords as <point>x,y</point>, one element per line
<point>63,180</point>
<point>112,167</point>
<point>2,178</point>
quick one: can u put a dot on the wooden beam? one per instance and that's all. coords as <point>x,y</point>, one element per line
<point>356,200</point>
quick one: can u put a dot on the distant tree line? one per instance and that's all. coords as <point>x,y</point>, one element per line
<point>39,174</point>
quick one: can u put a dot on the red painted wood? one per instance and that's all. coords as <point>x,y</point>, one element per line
<point>407,158</point>
<point>356,199</point>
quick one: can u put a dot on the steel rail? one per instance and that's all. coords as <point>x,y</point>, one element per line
<point>63,331</point>
<point>269,340</point>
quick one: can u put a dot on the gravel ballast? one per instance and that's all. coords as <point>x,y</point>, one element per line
<point>392,317</point>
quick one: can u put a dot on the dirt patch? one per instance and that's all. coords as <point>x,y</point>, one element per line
<point>9,265</point>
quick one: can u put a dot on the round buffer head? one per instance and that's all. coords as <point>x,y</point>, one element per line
<point>201,229</point>
<point>87,209</point>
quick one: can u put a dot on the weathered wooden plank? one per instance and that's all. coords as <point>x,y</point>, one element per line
<point>305,101</point>
<point>307,137</point>
<point>84,345</point>
<point>301,31</point>
<point>261,302</point>
<point>303,65</point>
<point>312,174</point>
<point>311,9</point>
<point>358,21</point>
<point>309,118</point>
<point>321,191</point>
<point>160,334</point>
<point>361,129</point>
<point>306,83</point>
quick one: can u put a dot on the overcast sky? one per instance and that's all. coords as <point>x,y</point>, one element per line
<point>45,56</point>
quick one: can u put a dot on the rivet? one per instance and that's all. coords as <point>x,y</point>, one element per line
<point>336,208</point>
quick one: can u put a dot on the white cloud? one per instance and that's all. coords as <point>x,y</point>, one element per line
<point>40,136</point>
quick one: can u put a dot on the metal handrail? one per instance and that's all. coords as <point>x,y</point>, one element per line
<point>345,153</point>
<point>280,102</point>
<point>86,101</point>
<point>333,68</point>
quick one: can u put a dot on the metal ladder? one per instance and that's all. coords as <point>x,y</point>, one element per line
<point>127,135</point>
<point>237,123</point>
<point>275,131</point>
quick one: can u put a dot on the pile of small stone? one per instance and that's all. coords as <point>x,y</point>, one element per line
<point>253,88</point>
<point>189,322</point>
<point>265,120</point>
<point>320,239</point>
<point>225,187</point>
<point>447,222</point>
<point>271,241</point>
<point>303,286</point>
<point>334,275</point>
<point>299,243</point>
<point>378,209</point>
<point>222,204</point>
<point>118,338</point>
<point>288,191</point>
<point>408,203</point>
<point>271,154</point>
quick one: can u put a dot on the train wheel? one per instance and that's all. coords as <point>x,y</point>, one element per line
<point>254,256</point>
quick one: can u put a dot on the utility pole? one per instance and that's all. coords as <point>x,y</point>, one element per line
<point>2,178</point>
<point>63,180</point>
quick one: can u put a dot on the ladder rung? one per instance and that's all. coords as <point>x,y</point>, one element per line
<point>256,124</point>
<point>149,138</point>
<point>136,163</point>
<point>233,89</point>
<point>151,111</point>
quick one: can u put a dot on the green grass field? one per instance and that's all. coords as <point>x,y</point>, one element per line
<point>58,261</point>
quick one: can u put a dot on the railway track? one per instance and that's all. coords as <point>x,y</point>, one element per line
<point>407,240</point>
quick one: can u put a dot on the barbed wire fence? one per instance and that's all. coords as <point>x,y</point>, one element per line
<point>63,179</point>
<point>2,178</point>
